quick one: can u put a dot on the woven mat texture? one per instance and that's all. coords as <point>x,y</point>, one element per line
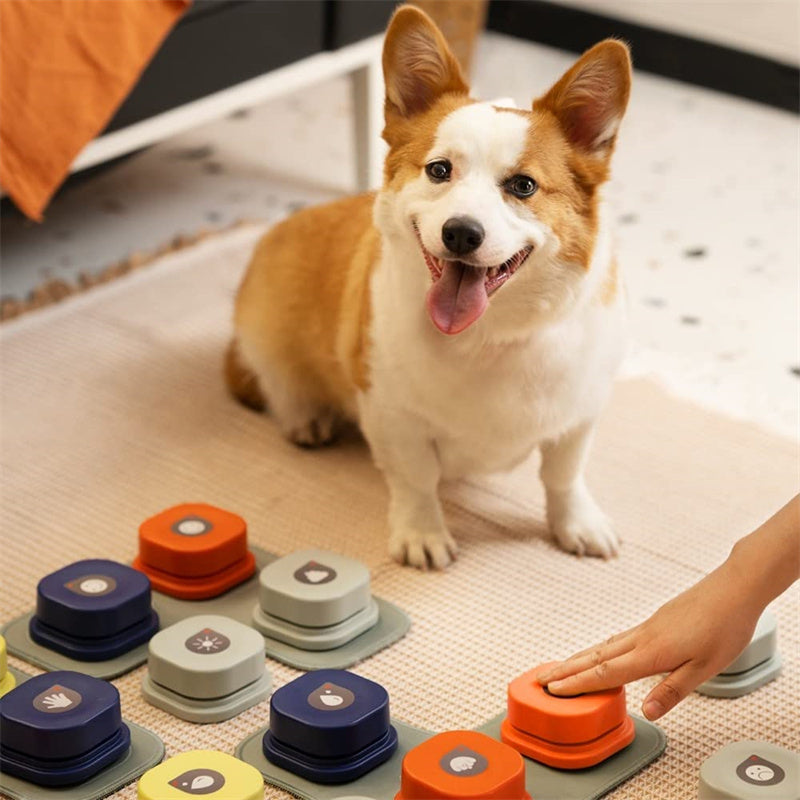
<point>113,408</point>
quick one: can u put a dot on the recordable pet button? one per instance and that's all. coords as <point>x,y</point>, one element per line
<point>330,726</point>
<point>565,732</point>
<point>757,664</point>
<point>93,610</point>
<point>462,764</point>
<point>315,600</point>
<point>194,551</point>
<point>206,668</point>
<point>201,773</point>
<point>7,682</point>
<point>61,728</point>
<point>750,771</point>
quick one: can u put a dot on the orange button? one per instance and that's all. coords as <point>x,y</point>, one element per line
<point>465,765</point>
<point>194,551</point>
<point>565,732</point>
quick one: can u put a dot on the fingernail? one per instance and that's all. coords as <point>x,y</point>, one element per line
<point>652,709</point>
<point>543,676</point>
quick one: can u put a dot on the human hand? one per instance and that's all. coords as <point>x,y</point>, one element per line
<point>692,637</point>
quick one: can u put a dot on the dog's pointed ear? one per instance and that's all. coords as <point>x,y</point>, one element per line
<point>418,66</point>
<point>591,97</point>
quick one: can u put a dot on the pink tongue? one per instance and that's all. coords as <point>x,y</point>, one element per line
<point>457,299</point>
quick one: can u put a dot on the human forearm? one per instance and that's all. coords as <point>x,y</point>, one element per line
<point>767,561</point>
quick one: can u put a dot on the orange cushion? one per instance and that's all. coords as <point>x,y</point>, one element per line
<point>65,67</point>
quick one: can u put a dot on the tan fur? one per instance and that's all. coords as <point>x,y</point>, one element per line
<point>242,381</point>
<point>304,303</point>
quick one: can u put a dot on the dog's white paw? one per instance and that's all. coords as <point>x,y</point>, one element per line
<point>311,432</point>
<point>423,549</point>
<point>579,525</point>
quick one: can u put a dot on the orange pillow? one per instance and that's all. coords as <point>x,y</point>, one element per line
<point>65,67</point>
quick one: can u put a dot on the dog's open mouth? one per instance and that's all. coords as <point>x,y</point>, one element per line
<point>460,291</point>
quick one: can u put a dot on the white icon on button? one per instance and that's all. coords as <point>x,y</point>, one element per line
<point>760,773</point>
<point>191,527</point>
<point>94,586</point>
<point>59,700</point>
<point>462,763</point>
<point>331,699</point>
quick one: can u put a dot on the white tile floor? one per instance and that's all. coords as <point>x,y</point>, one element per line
<point>705,192</point>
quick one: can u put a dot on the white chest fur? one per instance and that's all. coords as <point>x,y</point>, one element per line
<point>483,405</point>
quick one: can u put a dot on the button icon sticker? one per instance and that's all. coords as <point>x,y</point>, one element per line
<point>199,781</point>
<point>330,697</point>
<point>207,641</point>
<point>192,526</point>
<point>92,585</point>
<point>315,573</point>
<point>760,772</point>
<point>463,762</point>
<point>56,700</point>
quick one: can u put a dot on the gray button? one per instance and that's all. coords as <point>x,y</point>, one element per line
<point>761,647</point>
<point>750,771</point>
<point>314,588</point>
<point>207,656</point>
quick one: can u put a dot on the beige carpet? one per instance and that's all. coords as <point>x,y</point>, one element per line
<point>113,408</point>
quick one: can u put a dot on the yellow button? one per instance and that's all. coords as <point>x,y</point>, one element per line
<point>7,682</point>
<point>206,773</point>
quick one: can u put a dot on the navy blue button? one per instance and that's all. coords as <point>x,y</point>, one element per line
<point>61,728</point>
<point>93,610</point>
<point>330,726</point>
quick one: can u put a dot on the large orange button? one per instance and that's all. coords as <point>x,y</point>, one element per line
<point>465,765</point>
<point>565,732</point>
<point>194,551</point>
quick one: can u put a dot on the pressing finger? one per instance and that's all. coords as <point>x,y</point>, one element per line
<point>587,659</point>
<point>605,675</point>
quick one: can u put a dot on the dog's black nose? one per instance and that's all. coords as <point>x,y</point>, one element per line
<point>462,235</point>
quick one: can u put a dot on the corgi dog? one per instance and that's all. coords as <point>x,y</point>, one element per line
<point>467,312</point>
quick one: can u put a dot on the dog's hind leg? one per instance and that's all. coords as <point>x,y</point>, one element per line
<point>242,382</point>
<point>292,401</point>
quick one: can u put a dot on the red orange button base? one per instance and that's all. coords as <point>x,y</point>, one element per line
<point>199,588</point>
<point>569,756</point>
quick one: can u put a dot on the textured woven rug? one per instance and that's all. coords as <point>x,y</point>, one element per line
<point>113,408</point>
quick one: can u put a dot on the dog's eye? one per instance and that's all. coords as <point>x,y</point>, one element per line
<point>439,171</point>
<point>521,186</point>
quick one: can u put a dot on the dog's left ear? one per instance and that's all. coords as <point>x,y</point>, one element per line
<point>418,66</point>
<point>591,97</point>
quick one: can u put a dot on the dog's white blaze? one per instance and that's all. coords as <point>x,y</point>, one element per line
<point>480,139</point>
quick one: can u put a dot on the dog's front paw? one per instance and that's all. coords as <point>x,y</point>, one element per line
<point>423,549</point>
<point>579,525</point>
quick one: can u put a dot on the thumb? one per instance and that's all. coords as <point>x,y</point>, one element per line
<point>674,688</point>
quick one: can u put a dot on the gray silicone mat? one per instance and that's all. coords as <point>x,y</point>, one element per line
<point>19,643</point>
<point>381,783</point>
<point>546,783</point>
<point>19,677</point>
<point>238,604</point>
<point>146,751</point>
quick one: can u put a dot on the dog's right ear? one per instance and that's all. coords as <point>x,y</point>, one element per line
<point>418,66</point>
